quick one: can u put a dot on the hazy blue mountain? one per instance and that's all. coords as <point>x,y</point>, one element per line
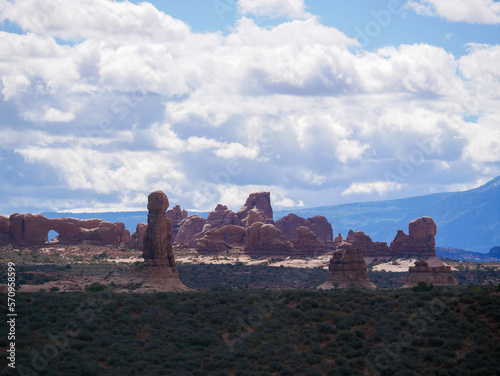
<point>468,220</point>
<point>460,254</point>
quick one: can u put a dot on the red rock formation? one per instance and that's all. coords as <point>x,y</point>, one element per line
<point>317,224</point>
<point>212,242</point>
<point>137,238</point>
<point>369,248</point>
<point>261,202</point>
<point>347,269</point>
<point>176,215</point>
<point>158,236</point>
<point>188,229</point>
<point>161,272</point>
<point>4,229</point>
<point>422,272</point>
<point>420,240</point>
<point>307,243</point>
<point>338,239</point>
<point>29,229</point>
<point>252,217</point>
<point>220,217</point>
<point>289,224</point>
<point>233,235</point>
<point>266,240</point>
<point>321,227</point>
<point>218,240</point>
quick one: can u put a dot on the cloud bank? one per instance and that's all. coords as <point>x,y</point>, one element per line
<point>106,101</point>
<point>485,12</point>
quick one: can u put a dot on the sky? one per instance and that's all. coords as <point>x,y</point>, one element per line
<point>318,102</point>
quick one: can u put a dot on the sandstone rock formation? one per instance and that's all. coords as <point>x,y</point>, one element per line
<point>4,229</point>
<point>212,242</point>
<point>233,235</point>
<point>289,224</point>
<point>307,243</point>
<point>321,227</point>
<point>422,272</point>
<point>137,238</point>
<point>318,224</point>
<point>338,239</point>
<point>420,240</point>
<point>220,217</point>
<point>266,240</point>
<point>159,260</point>
<point>252,217</point>
<point>217,240</point>
<point>29,229</point>
<point>176,215</point>
<point>369,248</point>
<point>347,269</point>
<point>261,202</point>
<point>188,229</point>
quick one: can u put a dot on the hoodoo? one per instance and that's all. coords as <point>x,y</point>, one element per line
<point>347,269</point>
<point>159,260</point>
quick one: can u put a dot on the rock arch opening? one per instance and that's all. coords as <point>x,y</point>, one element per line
<point>52,236</point>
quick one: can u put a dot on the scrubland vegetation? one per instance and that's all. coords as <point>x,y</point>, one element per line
<point>444,331</point>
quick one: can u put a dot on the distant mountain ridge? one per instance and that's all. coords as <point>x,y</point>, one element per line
<point>468,220</point>
<point>460,254</point>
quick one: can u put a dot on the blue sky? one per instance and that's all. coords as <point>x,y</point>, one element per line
<point>319,102</point>
<point>352,18</point>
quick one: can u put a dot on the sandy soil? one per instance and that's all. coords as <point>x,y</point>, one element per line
<point>402,265</point>
<point>237,256</point>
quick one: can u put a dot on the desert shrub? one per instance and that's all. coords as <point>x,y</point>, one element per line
<point>96,287</point>
<point>423,287</point>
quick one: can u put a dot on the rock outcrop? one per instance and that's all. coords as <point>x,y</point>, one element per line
<point>220,217</point>
<point>233,235</point>
<point>307,243</point>
<point>176,215</point>
<point>212,242</point>
<point>338,240</point>
<point>321,227</point>
<point>261,202</point>
<point>4,230</point>
<point>266,240</point>
<point>159,260</point>
<point>137,238</point>
<point>188,229</point>
<point>369,248</point>
<point>420,240</point>
<point>218,240</point>
<point>347,269</point>
<point>289,224</point>
<point>422,272</point>
<point>32,229</point>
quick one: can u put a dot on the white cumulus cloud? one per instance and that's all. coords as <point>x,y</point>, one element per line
<point>470,11</point>
<point>380,187</point>
<point>56,116</point>
<point>273,8</point>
